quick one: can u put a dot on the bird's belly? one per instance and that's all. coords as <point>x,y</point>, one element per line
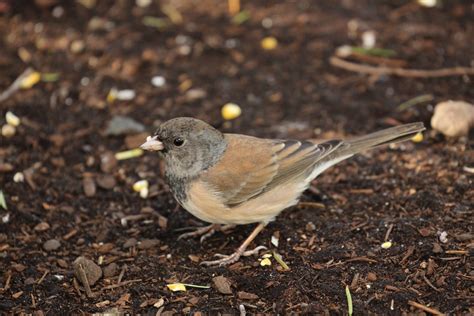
<point>264,208</point>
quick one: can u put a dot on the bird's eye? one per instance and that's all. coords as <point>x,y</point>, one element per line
<point>178,141</point>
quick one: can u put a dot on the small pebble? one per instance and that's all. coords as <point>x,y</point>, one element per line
<point>77,46</point>
<point>108,162</point>
<point>437,248</point>
<point>443,237</point>
<point>130,243</point>
<point>110,270</point>
<point>368,39</point>
<point>41,227</point>
<point>143,3</point>
<point>51,245</point>
<point>310,226</point>
<point>92,270</point>
<point>148,243</point>
<point>158,81</point>
<point>89,186</point>
<point>195,94</point>
<point>222,284</point>
<point>453,118</point>
<point>371,277</point>
<point>246,296</point>
<point>18,177</point>
<point>428,3</point>
<point>8,130</point>
<point>106,181</point>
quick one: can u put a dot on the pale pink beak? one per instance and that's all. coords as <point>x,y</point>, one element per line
<point>152,144</point>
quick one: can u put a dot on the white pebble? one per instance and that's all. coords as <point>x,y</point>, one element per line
<point>143,3</point>
<point>443,237</point>
<point>368,39</point>
<point>18,177</point>
<point>453,118</point>
<point>428,3</point>
<point>158,81</point>
<point>274,241</point>
<point>267,23</point>
<point>8,130</point>
<point>125,95</point>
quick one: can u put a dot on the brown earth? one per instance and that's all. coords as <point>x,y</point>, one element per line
<point>407,194</point>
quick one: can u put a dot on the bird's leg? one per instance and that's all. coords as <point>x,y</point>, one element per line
<point>241,251</point>
<point>206,231</point>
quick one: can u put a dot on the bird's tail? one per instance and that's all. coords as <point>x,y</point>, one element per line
<point>387,136</point>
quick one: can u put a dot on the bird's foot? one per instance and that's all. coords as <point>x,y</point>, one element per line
<point>205,232</point>
<point>229,259</point>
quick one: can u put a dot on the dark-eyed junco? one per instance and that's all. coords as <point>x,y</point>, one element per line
<point>236,179</point>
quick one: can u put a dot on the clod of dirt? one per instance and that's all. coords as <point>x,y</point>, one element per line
<point>148,243</point>
<point>110,270</point>
<point>89,186</point>
<point>222,284</point>
<point>92,271</point>
<point>453,118</point>
<point>51,245</point>
<point>246,296</point>
<point>108,162</point>
<point>106,181</point>
<point>122,125</point>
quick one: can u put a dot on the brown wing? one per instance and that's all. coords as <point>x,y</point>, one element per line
<point>252,166</point>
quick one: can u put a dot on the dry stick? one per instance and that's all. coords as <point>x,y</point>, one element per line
<point>42,277</point>
<point>16,85</point>
<point>389,230</point>
<point>113,286</point>
<point>425,308</point>
<point>430,284</point>
<point>401,72</point>
<point>85,281</point>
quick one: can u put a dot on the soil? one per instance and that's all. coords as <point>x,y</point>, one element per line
<point>76,201</point>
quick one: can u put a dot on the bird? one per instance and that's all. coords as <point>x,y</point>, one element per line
<point>230,179</point>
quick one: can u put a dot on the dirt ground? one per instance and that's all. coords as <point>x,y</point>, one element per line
<point>75,200</point>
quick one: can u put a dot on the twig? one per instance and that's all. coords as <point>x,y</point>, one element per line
<point>122,273</point>
<point>389,230</point>
<point>425,308</point>
<point>311,204</point>
<point>113,286</point>
<point>16,85</point>
<point>401,72</point>
<point>430,284</point>
<point>409,252</point>
<point>364,259</point>
<point>85,281</point>
<point>42,277</point>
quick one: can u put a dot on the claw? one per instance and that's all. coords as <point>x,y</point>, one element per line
<point>204,232</point>
<point>254,251</point>
<point>229,259</point>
